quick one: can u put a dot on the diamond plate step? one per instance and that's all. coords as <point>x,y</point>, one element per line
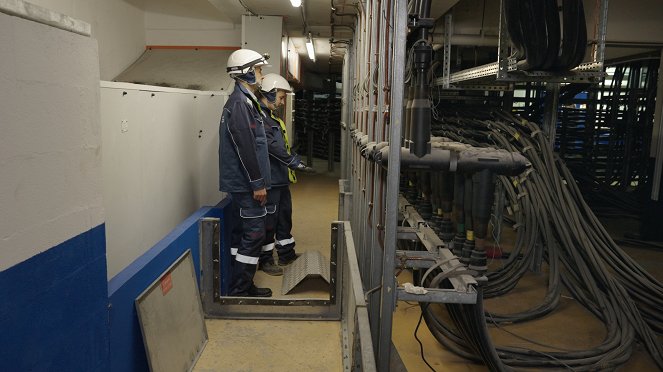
<point>308,264</point>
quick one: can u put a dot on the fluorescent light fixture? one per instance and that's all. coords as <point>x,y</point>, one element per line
<point>309,47</point>
<point>296,3</point>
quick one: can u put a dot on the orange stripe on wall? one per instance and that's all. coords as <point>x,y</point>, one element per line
<point>191,47</point>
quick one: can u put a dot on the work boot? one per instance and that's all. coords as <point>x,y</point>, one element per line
<point>270,268</point>
<point>259,292</point>
<point>287,261</point>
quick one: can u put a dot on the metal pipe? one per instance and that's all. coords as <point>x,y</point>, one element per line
<point>467,161</point>
<point>420,122</point>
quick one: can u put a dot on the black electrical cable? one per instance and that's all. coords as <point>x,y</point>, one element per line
<point>421,345</point>
<point>599,275</point>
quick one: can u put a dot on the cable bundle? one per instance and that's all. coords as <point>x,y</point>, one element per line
<point>549,210</point>
<point>539,40</point>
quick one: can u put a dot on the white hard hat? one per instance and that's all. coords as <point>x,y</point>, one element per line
<point>274,81</point>
<point>243,60</point>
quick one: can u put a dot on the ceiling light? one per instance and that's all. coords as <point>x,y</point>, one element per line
<point>296,3</point>
<point>309,47</point>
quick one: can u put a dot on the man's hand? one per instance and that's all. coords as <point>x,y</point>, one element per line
<point>261,196</point>
<point>303,168</point>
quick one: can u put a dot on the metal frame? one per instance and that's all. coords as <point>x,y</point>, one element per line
<point>388,298</point>
<point>446,64</point>
<point>657,139</point>
<point>367,181</point>
<point>358,353</point>
<point>506,70</point>
<point>217,306</point>
<point>436,250</point>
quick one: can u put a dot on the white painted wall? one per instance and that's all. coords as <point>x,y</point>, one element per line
<point>50,155</point>
<point>188,22</point>
<point>264,35</point>
<point>158,166</point>
<point>118,26</point>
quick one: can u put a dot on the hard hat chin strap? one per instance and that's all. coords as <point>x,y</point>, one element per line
<point>270,96</point>
<point>249,77</point>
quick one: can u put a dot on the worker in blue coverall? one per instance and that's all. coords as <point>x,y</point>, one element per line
<point>244,169</point>
<point>283,163</point>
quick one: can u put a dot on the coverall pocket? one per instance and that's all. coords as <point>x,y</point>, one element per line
<point>253,212</point>
<point>270,208</point>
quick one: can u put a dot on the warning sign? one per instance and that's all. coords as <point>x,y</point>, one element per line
<point>166,284</point>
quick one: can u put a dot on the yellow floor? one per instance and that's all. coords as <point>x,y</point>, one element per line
<point>268,345</point>
<point>282,345</point>
<point>271,345</point>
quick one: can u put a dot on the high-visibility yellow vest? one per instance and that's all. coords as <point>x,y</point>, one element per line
<point>291,173</point>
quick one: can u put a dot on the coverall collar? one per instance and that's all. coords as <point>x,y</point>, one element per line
<point>251,96</point>
<point>246,92</point>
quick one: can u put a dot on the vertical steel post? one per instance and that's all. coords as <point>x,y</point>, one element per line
<point>372,182</point>
<point>503,47</point>
<point>448,31</point>
<point>345,125</point>
<point>657,136</point>
<point>550,111</point>
<point>598,53</point>
<point>388,292</point>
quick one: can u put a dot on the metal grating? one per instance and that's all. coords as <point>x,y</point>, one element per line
<point>308,264</point>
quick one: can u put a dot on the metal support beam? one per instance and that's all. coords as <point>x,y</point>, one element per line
<point>657,136</point>
<point>435,245</point>
<point>506,69</point>
<point>444,296</point>
<point>448,31</point>
<point>417,259</point>
<point>388,300</point>
<point>598,51</point>
<point>550,111</point>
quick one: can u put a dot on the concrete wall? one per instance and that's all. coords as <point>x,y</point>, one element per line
<point>160,163</point>
<point>53,289</point>
<point>118,26</point>
<point>264,35</point>
<point>188,22</point>
<point>50,155</point>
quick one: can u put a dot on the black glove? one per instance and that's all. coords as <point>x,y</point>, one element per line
<point>303,168</point>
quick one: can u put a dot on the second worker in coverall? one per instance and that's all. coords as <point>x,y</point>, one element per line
<point>283,162</point>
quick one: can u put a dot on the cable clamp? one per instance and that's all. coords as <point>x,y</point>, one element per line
<point>522,194</point>
<point>534,133</point>
<point>525,175</point>
<point>517,226</point>
<point>528,147</point>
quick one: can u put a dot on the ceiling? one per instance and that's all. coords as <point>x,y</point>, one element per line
<point>475,22</point>
<point>315,16</point>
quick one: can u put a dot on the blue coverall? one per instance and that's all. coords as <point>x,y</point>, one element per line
<point>282,164</point>
<point>243,169</point>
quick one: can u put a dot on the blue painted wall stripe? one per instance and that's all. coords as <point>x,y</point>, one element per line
<point>127,351</point>
<point>54,308</point>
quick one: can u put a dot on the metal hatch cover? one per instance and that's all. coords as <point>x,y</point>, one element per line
<point>309,264</point>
